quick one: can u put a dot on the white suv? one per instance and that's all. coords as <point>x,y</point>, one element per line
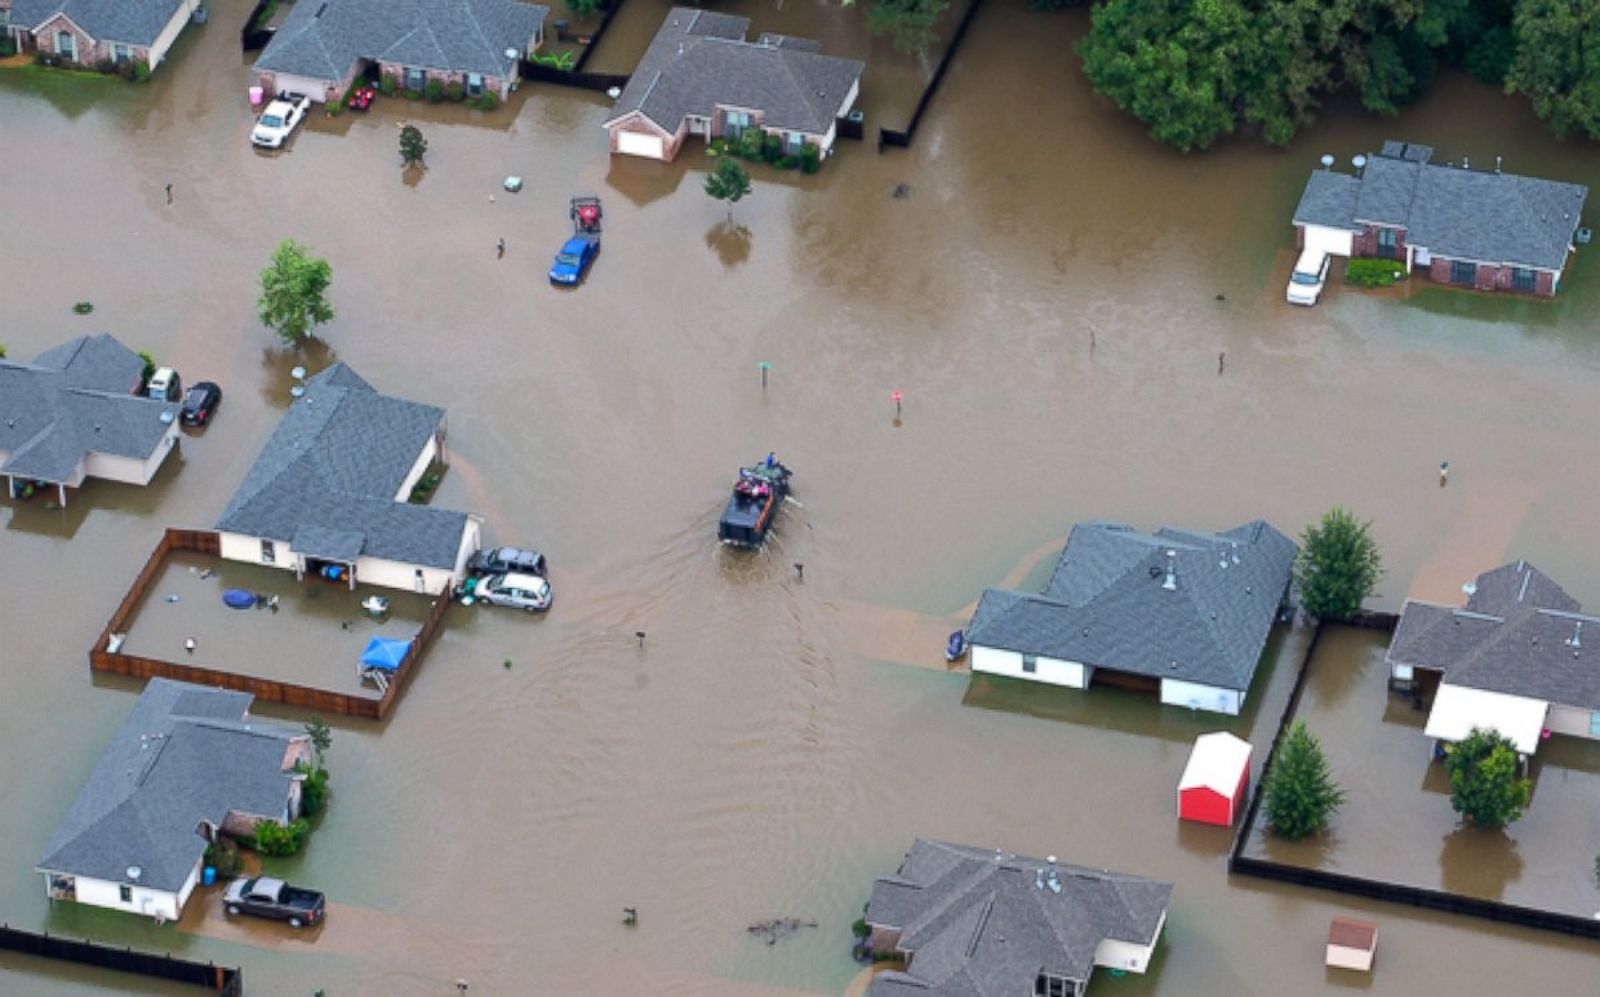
<point>282,116</point>
<point>1309,276</point>
<point>528,592</point>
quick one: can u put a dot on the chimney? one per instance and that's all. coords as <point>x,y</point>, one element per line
<point>1171,584</point>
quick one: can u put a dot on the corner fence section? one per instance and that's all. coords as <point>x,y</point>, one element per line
<point>117,662</point>
<point>227,980</point>
<point>1415,896</point>
<point>902,139</point>
<point>251,39</point>
<point>576,77</point>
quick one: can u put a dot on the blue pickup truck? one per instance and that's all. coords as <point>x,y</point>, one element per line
<point>264,896</point>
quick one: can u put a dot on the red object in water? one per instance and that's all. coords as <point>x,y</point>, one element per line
<point>894,396</point>
<point>361,98</point>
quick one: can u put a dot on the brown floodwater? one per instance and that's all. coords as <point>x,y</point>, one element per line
<point>768,751</point>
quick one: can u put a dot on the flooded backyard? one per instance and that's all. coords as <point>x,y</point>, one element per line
<point>1051,299</point>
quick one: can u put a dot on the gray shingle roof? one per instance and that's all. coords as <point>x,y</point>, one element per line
<point>72,401</point>
<point>185,754</point>
<point>135,22</point>
<point>1107,604</point>
<point>982,923</point>
<point>699,60</point>
<point>1456,213</point>
<point>325,39</point>
<point>1329,200</point>
<point>1520,634</point>
<point>331,471</point>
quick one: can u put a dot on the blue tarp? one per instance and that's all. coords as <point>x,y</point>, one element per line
<point>385,653</point>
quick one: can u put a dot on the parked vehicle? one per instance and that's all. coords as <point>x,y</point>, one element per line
<point>164,385</point>
<point>503,560</point>
<point>361,98</point>
<point>756,496</point>
<point>529,592</point>
<point>283,115</point>
<point>580,250</point>
<point>1309,276</point>
<point>264,896</point>
<point>200,404</point>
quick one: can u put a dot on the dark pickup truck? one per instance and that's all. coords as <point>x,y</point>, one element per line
<point>268,897</point>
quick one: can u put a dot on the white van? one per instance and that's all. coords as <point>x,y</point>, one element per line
<point>1310,274</point>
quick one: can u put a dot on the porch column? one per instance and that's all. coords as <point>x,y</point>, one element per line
<point>1410,250</point>
<point>61,493</point>
<point>352,575</point>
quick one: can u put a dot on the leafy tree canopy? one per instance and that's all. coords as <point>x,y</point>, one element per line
<point>293,289</point>
<point>909,22</point>
<point>1484,785</point>
<point>1301,795</point>
<point>1337,567</point>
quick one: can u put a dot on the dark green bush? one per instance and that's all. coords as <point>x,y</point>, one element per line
<point>387,86</point>
<point>771,148</point>
<point>810,157</point>
<point>141,72</point>
<point>752,143</point>
<point>1369,272</point>
<point>223,856</point>
<point>434,91</point>
<point>488,101</point>
<point>454,91</point>
<point>787,162</point>
<point>274,839</point>
<point>313,791</point>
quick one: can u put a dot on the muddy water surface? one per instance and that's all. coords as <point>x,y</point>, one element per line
<point>1046,298</point>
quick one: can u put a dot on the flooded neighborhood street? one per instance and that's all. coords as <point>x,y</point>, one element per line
<point>1051,296</point>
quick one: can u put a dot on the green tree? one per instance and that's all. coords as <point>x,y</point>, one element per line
<point>583,8</point>
<point>321,738</point>
<point>1557,63</point>
<point>1337,567</point>
<point>293,298</point>
<point>275,839</point>
<point>1484,786</point>
<point>1301,795</point>
<point>730,182</point>
<point>412,145</point>
<point>908,22</point>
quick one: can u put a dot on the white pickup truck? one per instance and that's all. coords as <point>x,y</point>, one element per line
<point>281,117</point>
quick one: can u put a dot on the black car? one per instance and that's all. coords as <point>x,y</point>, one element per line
<point>200,404</point>
<point>507,560</point>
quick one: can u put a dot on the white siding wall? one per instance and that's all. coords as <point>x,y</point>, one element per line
<point>131,470</point>
<point>151,903</point>
<point>238,547</point>
<point>169,34</point>
<point>1201,697</point>
<point>1134,958</point>
<point>421,465</point>
<point>1049,670</point>
<point>397,575</point>
<point>1335,241</point>
<point>312,87</point>
<point>1568,720</point>
<point>471,540</point>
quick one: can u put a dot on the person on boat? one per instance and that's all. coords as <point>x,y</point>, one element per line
<point>772,458</point>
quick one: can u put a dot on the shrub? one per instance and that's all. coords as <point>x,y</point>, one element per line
<point>313,791</point>
<point>1368,272</point>
<point>860,930</point>
<point>106,67</point>
<point>141,72</point>
<point>387,85</point>
<point>771,148</point>
<point>411,94</point>
<point>488,101</point>
<point>718,147</point>
<point>46,59</point>
<point>752,143</point>
<point>223,856</point>
<point>787,162</point>
<point>149,364</point>
<point>2,351</point>
<point>8,48</point>
<point>454,91</point>
<point>84,308</point>
<point>434,91</point>
<point>810,157</point>
<point>274,839</point>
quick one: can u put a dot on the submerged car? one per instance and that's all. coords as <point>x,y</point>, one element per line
<point>503,560</point>
<point>1308,278</point>
<point>528,592</point>
<point>282,116</point>
<point>164,385</point>
<point>575,256</point>
<point>200,404</point>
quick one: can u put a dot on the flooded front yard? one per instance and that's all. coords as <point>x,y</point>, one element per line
<point>1050,295</point>
<point>1397,825</point>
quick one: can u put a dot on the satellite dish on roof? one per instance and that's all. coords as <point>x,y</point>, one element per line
<point>1327,161</point>
<point>1358,162</point>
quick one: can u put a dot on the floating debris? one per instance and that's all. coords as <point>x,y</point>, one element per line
<point>778,928</point>
<point>630,916</point>
<point>206,574</point>
<point>902,191</point>
<point>172,598</point>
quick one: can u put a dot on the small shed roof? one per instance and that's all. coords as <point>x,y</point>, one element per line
<point>1216,763</point>
<point>1349,933</point>
<point>1457,709</point>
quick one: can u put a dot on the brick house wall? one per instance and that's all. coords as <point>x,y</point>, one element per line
<point>499,86</point>
<point>87,51</point>
<point>885,940</point>
<point>1489,277</point>
<point>1365,242</point>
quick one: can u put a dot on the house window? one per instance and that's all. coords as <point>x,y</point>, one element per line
<point>415,79</point>
<point>1462,272</point>
<point>1594,725</point>
<point>474,85</point>
<point>1388,240</point>
<point>125,892</point>
<point>734,123</point>
<point>1045,985</point>
<point>1523,279</point>
<point>796,142</point>
<point>269,552</point>
<point>66,46</point>
<point>120,53</point>
<point>1030,663</point>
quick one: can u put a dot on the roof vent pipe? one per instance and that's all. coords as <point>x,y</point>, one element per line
<point>1497,164</point>
<point>1577,634</point>
<point>1466,163</point>
<point>1171,584</point>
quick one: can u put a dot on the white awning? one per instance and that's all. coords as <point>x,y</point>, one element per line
<point>1217,762</point>
<point>1457,709</point>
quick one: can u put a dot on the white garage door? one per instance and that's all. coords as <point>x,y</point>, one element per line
<point>1332,241</point>
<point>317,90</point>
<point>640,144</point>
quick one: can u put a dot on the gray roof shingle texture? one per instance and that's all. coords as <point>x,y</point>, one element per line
<point>331,470</point>
<point>1107,605</point>
<point>980,923</point>
<point>1456,213</point>
<point>699,60</point>
<point>185,754</point>
<point>1515,636</point>
<point>72,401</point>
<point>325,39</point>
<point>135,22</point>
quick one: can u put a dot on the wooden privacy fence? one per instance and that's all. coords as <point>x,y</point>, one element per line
<point>227,980</point>
<point>102,659</point>
<point>1416,896</point>
<point>902,139</point>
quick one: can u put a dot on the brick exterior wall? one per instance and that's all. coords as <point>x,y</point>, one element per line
<point>885,940</point>
<point>87,51</point>
<point>495,84</point>
<point>1489,277</point>
<point>1365,242</point>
